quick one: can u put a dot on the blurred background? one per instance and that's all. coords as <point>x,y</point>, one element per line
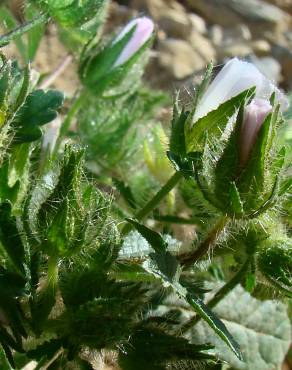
<point>190,33</point>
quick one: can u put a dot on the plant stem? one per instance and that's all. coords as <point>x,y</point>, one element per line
<point>70,115</point>
<point>56,73</point>
<point>5,39</point>
<point>155,200</point>
<point>222,292</point>
<point>189,258</point>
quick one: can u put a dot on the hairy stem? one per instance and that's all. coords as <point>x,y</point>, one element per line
<point>81,98</point>
<point>222,292</point>
<point>23,28</point>
<point>171,183</point>
<point>189,258</point>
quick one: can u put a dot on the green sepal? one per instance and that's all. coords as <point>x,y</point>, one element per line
<point>253,179</point>
<point>215,121</point>
<point>98,74</point>
<point>180,163</point>
<point>198,95</point>
<point>95,67</point>
<point>226,169</point>
<point>177,143</point>
<point>202,166</point>
<point>235,200</point>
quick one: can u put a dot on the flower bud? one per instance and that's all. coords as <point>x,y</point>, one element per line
<point>143,31</point>
<point>254,116</point>
<point>116,68</point>
<point>235,77</point>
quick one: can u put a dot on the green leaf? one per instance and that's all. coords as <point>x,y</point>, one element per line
<point>4,361</point>
<point>72,13</point>
<point>22,94</point>
<point>151,348</point>
<point>126,192</point>
<point>167,269</point>
<point>153,238</point>
<point>274,260</point>
<point>215,323</point>
<point>10,238</point>
<point>262,330</point>
<point>34,35</point>
<point>167,264</point>
<point>46,349</point>
<point>4,78</point>
<point>6,357</point>
<point>215,121</point>
<point>39,108</point>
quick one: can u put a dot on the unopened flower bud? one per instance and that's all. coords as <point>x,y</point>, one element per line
<point>143,31</point>
<point>254,116</point>
<point>235,77</point>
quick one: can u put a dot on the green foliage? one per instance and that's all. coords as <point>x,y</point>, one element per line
<point>275,263</point>
<point>71,13</point>
<point>39,108</point>
<point>261,329</point>
<point>74,288</point>
<point>152,347</point>
<point>98,72</point>
<point>167,268</point>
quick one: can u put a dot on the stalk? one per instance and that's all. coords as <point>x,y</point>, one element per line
<point>189,258</point>
<point>171,183</point>
<point>23,28</point>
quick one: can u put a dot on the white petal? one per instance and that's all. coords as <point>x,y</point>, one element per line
<point>235,77</point>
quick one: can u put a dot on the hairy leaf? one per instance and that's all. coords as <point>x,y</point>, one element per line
<point>262,330</point>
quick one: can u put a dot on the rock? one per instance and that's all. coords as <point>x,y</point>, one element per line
<point>235,50</point>
<point>175,24</point>
<point>216,34</point>
<point>286,5</point>
<point>257,13</point>
<point>157,8</point>
<point>215,11</point>
<point>283,53</point>
<point>198,23</point>
<point>269,66</point>
<point>170,15</point>
<point>179,58</point>
<point>260,47</point>
<point>202,46</point>
<point>240,32</point>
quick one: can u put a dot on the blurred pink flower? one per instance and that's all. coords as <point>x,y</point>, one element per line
<point>254,116</point>
<point>144,28</point>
